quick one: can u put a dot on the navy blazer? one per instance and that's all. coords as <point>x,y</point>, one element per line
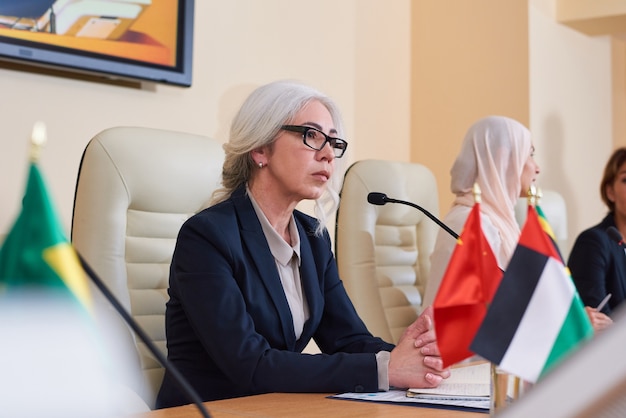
<point>598,266</point>
<point>228,324</point>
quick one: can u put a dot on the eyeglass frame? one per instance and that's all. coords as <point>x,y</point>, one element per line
<point>333,141</point>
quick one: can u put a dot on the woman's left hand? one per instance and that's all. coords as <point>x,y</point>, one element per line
<point>599,321</point>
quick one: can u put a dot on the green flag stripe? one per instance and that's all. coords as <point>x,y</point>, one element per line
<point>576,328</point>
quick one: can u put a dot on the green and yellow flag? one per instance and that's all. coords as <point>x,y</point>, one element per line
<point>543,221</point>
<point>36,255</point>
<point>45,296</point>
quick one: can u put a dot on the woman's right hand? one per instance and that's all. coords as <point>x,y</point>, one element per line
<point>415,362</point>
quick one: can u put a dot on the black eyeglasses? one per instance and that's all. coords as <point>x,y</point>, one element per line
<point>316,139</point>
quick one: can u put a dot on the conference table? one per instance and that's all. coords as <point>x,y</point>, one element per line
<point>297,405</point>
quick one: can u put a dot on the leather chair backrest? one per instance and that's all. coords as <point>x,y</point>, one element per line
<point>135,188</point>
<point>383,251</point>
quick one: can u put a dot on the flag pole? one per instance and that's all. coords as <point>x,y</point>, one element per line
<point>533,196</point>
<point>38,139</point>
<point>499,389</point>
<point>477,193</point>
<point>498,380</point>
<point>539,196</point>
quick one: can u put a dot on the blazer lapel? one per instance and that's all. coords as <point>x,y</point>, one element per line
<point>310,286</point>
<point>254,239</point>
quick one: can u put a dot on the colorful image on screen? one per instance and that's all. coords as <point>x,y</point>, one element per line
<point>139,31</point>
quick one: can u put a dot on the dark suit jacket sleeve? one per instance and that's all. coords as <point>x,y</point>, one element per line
<point>229,325</point>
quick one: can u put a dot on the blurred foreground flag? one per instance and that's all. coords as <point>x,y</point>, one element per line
<point>536,316</point>
<point>36,256</point>
<point>468,285</point>
<point>56,361</point>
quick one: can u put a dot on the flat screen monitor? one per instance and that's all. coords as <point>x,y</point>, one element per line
<point>139,40</point>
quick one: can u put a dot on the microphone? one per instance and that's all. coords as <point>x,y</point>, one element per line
<point>376,198</point>
<point>615,235</point>
<point>180,379</point>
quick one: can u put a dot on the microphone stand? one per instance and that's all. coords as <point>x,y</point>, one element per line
<point>178,377</point>
<point>376,198</point>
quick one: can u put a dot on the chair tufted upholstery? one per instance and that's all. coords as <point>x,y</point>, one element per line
<point>135,188</point>
<point>383,251</point>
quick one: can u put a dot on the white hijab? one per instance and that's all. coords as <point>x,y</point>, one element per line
<point>493,154</point>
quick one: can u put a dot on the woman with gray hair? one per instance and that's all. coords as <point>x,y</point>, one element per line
<point>257,124</point>
<point>253,280</point>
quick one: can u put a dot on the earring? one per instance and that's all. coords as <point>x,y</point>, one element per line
<point>260,165</point>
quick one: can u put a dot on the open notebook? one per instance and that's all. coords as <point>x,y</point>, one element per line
<point>467,389</point>
<point>466,382</point>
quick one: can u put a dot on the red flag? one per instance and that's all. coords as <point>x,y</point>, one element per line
<point>468,285</point>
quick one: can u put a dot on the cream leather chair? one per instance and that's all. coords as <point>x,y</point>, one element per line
<point>554,208</point>
<point>383,251</point>
<point>135,188</point>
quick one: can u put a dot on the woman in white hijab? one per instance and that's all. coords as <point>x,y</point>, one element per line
<point>497,153</point>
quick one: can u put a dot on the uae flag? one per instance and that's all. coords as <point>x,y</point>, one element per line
<point>536,317</point>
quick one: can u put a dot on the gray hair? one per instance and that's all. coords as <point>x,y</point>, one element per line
<point>257,124</point>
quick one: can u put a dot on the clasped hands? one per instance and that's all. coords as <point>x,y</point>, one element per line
<point>415,362</point>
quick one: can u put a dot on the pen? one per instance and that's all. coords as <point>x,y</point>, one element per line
<point>604,302</point>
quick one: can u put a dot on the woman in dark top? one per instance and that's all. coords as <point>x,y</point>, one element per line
<point>597,261</point>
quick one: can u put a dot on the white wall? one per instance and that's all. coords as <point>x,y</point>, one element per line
<point>357,51</point>
<point>570,113</point>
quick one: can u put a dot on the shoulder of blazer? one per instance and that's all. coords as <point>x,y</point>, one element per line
<point>237,207</point>
<point>598,232</point>
<point>594,243</point>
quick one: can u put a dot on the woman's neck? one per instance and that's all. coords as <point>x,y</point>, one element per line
<point>275,209</point>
